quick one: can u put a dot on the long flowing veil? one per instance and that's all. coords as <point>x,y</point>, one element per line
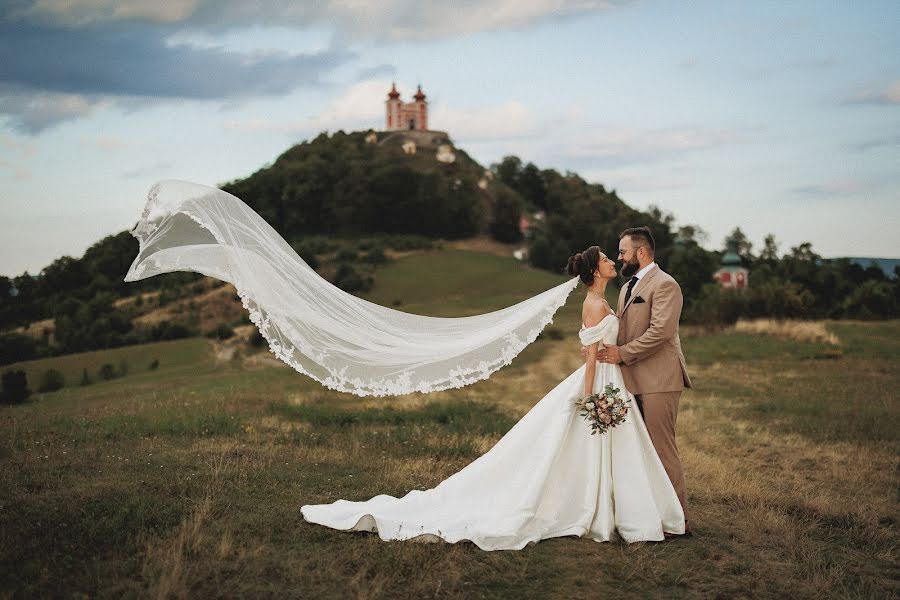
<point>344,342</point>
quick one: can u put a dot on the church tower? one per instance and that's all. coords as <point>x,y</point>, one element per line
<point>393,106</point>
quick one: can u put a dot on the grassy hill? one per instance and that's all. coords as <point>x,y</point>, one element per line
<point>186,481</point>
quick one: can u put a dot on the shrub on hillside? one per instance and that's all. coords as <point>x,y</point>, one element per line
<point>85,377</point>
<point>349,280</point>
<point>551,333</point>
<point>375,256</point>
<point>312,245</point>
<point>408,242</point>
<point>257,340</point>
<point>346,255</point>
<point>168,295</point>
<point>15,387</point>
<point>15,347</point>
<point>222,332</point>
<point>169,331</point>
<point>154,365</point>
<point>51,381</point>
<point>107,372</point>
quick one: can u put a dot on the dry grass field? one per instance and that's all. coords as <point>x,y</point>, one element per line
<point>186,481</point>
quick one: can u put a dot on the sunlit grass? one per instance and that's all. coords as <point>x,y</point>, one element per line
<point>801,331</point>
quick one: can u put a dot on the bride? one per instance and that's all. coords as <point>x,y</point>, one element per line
<point>548,476</point>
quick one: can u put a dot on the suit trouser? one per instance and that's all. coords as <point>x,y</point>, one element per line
<point>660,411</point>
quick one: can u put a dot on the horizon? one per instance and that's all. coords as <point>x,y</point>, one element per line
<point>780,120</point>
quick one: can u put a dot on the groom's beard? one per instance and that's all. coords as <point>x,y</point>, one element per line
<point>630,268</point>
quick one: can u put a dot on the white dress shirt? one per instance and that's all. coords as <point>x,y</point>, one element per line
<point>643,272</point>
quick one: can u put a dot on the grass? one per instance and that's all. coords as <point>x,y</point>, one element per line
<point>187,481</point>
<point>801,331</point>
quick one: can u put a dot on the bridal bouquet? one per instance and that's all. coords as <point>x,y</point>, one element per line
<point>603,411</point>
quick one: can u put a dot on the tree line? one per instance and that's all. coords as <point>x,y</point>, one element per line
<point>798,283</point>
<point>339,186</point>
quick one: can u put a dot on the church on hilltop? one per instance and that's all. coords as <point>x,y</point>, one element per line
<point>406,116</point>
<point>406,124</point>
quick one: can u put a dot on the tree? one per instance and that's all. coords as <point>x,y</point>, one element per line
<point>742,245</point>
<point>508,170</point>
<point>532,187</point>
<point>507,211</point>
<point>770,249</point>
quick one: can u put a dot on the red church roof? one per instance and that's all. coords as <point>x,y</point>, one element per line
<point>419,95</point>
<point>393,94</point>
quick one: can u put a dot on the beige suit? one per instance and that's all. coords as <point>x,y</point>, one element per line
<point>653,366</point>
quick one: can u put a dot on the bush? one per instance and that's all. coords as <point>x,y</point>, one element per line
<point>257,340</point>
<point>169,331</point>
<point>716,306</point>
<point>409,242</point>
<point>85,378</point>
<point>168,295</point>
<point>15,347</point>
<point>349,280</point>
<point>107,372</point>
<point>154,365</point>
<point>15,387</point>
<point>872,300</point>
<point>312,245</point>
<point>123,368</point>
<point>551,333</point>
<point>222,332</point>
<point>346,255</point>
<point>51,381</point>
<point>375,256</point>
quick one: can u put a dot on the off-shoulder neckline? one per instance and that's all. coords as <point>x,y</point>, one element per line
<point>583,326</point>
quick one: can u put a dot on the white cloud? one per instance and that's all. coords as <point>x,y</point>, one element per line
<point>82,12</point>
<point>362,19</point>
<point>837,188</point>
<point>360,107</point>
<point>17,146</point>
<point>107,142</point>
<point>630,145</point>
<point>888,95</point>
<point>32,112</point>
<point>507,121</point>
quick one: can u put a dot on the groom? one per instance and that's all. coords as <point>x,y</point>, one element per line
<point>649,348</point>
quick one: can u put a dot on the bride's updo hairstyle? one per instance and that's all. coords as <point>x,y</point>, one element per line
<point>583,264</point>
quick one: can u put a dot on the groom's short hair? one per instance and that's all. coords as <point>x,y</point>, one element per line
<point>641,236</point>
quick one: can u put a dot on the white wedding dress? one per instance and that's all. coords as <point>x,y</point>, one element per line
<point>547,477</point>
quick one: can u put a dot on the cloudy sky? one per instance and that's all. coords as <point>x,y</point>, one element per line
<point>777,117</point>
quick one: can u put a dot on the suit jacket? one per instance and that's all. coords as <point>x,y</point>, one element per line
<point>648,335</point>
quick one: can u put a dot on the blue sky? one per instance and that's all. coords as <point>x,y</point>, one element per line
<point>779,118</point>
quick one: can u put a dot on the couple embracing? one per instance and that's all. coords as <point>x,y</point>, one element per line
<point>548,476</point>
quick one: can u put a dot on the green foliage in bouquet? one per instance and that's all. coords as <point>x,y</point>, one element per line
<point>603,411</point>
